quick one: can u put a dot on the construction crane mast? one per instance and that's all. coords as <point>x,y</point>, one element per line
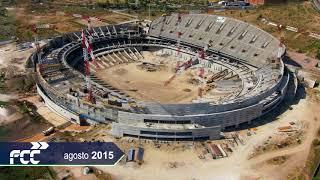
<point>90,47</point>
<point>281,48</point>
<point>36,42</point>
<point>35,29</point>
<point>178,33</point>
<point>86,64</point>
<point>87,49</point>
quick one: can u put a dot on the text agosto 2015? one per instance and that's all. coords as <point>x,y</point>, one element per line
<point>84,155</point>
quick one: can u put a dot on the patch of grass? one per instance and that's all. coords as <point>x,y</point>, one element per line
<point>23,106</point>
<point>2,80</point>
<point>3,131</point>
<point>316,160</point>
<point>22,83</point>
<point>316,142</point>
<point>82,10</point>
<point>52,7</point>
<point>26,173</point>
<point>7,27</point>
<point>3,104</point>
<point>313,48</point>
<point>23,109</point>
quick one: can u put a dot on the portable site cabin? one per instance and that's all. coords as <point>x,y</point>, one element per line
<point>139,155</point>
<point>131,153</point>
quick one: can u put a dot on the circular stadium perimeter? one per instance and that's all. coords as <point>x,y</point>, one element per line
<point>149,83</point>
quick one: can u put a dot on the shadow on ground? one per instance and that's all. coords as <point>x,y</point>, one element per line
<point>273,115</point>
<point>289,61</point>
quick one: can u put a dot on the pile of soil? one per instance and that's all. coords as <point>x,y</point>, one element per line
<point>120,71</point>
<point>193,81</point>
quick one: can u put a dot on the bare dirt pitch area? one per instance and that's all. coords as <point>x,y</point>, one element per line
<point>150,86</point>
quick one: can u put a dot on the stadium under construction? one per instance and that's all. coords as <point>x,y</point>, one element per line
<point>236,70</point>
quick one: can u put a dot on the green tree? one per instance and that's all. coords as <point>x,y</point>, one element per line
<point>3,12</point>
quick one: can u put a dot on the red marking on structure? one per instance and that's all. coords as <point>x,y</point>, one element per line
<point>201,72</point>
<point>202,54</point>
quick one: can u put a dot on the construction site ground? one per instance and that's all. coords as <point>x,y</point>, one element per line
<point>158,161</point>
<point>191,160</point>
<point>17,122</point>
<point>181,160</point>
<point>61,20</point>
<point>46,112</point>
<point>12,57</point>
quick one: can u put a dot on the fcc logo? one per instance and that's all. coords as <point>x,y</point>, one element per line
<point>28,156</point>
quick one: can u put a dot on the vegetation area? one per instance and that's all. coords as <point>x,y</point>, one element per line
<point>27,173</point>
<point>3,104</point>
<point>9,82</point>
<point>28,122</point>
<point>317,45</point>
<point>142,4</point>
<point>2,83</point>
<point>3,131</point>
<point>21,83</point>
<point>7,24</point>
<point>315,153</point>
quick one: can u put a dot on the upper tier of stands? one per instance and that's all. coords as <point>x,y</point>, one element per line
<point>222,35</point>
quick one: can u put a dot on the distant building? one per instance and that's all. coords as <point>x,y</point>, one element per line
<point>262,2</point>
<point>255,2</point>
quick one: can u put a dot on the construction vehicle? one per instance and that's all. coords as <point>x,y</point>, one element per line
<point>217,76</point>
<point>208,87</point>
<point>48,131</point>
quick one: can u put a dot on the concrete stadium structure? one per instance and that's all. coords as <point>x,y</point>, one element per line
<point>242,49</point>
